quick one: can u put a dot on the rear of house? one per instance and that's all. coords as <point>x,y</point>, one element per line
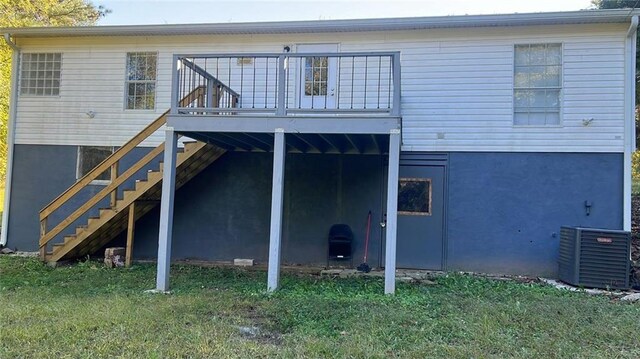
<point>508,127</point>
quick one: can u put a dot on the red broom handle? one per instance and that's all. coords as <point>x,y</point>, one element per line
<point>366,242</point>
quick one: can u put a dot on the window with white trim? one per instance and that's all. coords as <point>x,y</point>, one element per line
<point>140,84</point>
<point>91,156</point>
<point>537,84</point>
<point>40,74</point>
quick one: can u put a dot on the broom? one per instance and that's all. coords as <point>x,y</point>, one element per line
<point>364,267</point>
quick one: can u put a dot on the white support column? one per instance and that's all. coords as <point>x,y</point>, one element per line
<point>392,212</point>
<point>277,199</point>
<point>166,209</point>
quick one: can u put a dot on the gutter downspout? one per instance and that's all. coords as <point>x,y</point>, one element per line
<point>11,124</point>
<point>629,123</point>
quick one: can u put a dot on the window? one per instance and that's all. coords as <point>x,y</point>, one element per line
<point>141,80</point>
<point>537,84</point>
<point>315,76</point>
<point>414,196</point>
<point>91,156</point>
<point>40,75</point>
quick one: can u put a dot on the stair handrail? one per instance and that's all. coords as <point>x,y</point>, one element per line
<point>202,72</point>
<point>117,180</point>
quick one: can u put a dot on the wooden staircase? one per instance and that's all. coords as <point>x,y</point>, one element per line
<point>133,204</point>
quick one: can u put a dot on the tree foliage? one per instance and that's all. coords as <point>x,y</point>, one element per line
<point>622,4</point>
<point>23,13</point>
<point>625,4</point>
<point>628,4</point>
<point>615,4</point>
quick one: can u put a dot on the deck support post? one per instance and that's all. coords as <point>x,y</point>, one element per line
<point>166,209</point>
<point>209,102</point>
<point>43,231</point>
<point>392,212</point>
<point>131,229</point>
<point>277,199</point>
<point>114,194</point>
<point>282,86</point>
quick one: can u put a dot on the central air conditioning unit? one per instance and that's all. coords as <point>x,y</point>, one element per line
<point>595,258</point>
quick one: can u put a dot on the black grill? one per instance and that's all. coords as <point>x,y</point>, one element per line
<point>340,243</point>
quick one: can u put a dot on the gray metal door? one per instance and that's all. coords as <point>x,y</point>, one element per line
<point>420,243</point>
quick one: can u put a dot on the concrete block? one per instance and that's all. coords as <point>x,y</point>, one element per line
<point>243,262</point>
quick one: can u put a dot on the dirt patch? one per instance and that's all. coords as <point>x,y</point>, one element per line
<point>260,335</point>
<point>258,329</point>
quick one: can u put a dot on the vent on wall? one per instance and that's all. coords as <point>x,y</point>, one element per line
<point>596,258</point>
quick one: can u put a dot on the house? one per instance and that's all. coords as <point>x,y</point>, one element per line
<point>250,140</point>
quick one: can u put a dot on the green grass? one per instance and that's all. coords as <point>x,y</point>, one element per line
<point>88,311</point>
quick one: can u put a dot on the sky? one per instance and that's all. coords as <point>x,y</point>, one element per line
<point>138,12</point>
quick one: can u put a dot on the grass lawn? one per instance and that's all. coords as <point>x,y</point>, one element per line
<point>90,311</point>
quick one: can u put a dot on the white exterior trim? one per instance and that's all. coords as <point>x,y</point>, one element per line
<point>629,123</point>
<point>13,107</point>
<point>283,27</point>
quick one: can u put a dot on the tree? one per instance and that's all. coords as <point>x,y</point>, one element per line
<point>615,4</point>
<point>624,4</point>
<point>628,4</point>
<point>22,13</point>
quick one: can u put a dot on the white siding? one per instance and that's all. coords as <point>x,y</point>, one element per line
<point>457,86</point>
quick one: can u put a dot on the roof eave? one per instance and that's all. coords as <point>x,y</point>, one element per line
<point>387,24</point>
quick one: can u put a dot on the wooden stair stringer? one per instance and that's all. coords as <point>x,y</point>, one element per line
<point>98,243</point>
<point>97,232</point>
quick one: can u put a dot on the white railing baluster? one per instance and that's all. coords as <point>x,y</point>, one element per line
<point>358,89</point>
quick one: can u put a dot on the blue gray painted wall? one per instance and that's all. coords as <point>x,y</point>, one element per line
<point>224,212</point>
<point>505,209</point>
<point>40,174</point>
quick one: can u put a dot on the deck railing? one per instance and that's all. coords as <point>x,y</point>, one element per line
<point>289,84</point>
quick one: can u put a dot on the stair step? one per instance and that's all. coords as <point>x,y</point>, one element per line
<point>56,248</point>
<point>154,175</point>
<point>191,160</point>
<point>189,146</point>
<point>80,229</point>
<point>119,203</point>
<point>127,193</point>
<point>104,211</point>
<point>140,184</point>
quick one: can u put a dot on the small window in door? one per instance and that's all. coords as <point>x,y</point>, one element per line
<point>414,196</point>
<point>315,75</point>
